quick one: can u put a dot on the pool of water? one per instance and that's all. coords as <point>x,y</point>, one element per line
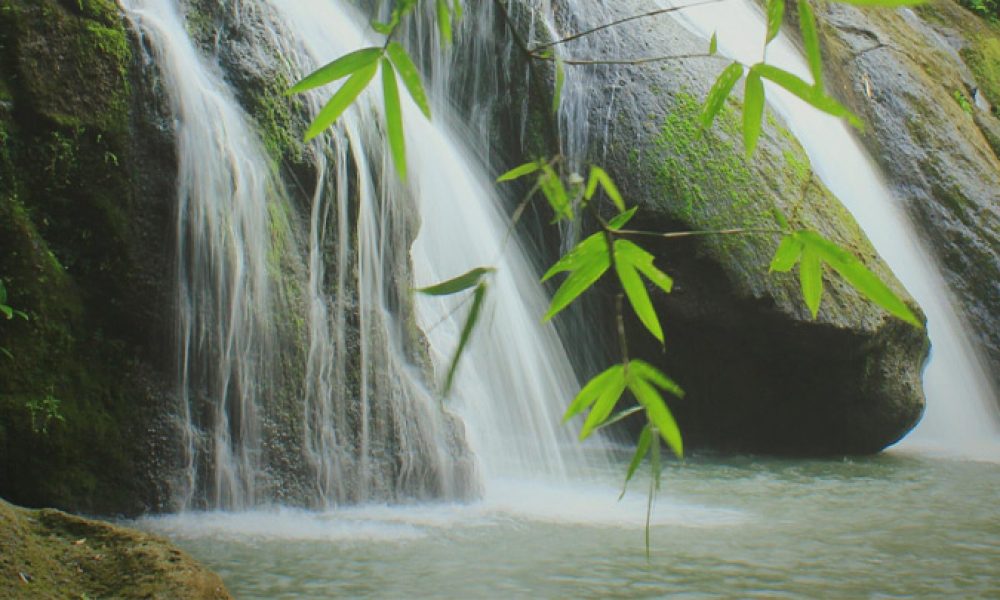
<point>895,525</point>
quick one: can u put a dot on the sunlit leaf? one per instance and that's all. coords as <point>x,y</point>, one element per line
<point>600,176</point>
<point>638,297</point>
<point>470,325</point>
<point>810,40</point>
<point>811,278</point>
<point>393,118</point>
<point>620,416</point>
<point>410,75</point>
<point>338,69</point>
<point>520,171</point>
<point>444,21</point>
<point>605,403</point>
<point>713,44</point>
<point>593,390</point>
<point>643,261</point>
<point>593,245</point>
<point>344,97</point>
<point>457,9</point>
<point>457,284</point>
<point>857,274</point>
<point>787,254</point>
<point>658,413</point>
<point>655,376</point>
<point>560,81</point>
<point>753,111</point>
<point>554,191</point>
<point>641,449</point>
<point>814,96</point>
<point>775,13</point>
<point>621,220</point>
<point>578,282</point>
<point>719,92</point>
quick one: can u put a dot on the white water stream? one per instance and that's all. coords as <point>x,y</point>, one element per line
<point>961,415</point>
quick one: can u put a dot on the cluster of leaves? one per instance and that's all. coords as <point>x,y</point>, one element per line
<point>43,412</point>
<point>9,313</point>
<point>988,9</point>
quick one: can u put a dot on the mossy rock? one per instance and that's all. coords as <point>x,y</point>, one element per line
<point>48,554</point>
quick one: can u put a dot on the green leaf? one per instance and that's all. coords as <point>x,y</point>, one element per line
<point>637,295</point>
<point>641,449</point>
<point>457,284</point>
<point>643,261</point>
<point>594,389</point>
<point>884,3</point>
<point>713,44</point>
<point>810,39</point>
<point>344,97</point>
<point>775,13</point>
<point>753,111</point>
<point>578,282</point>
<point>457,9</point>
<point>599,175</point>
<point>780,218</point>
<point>7,311</point>
<point>787,254</point>
<point>6,353</point>
<point>520,171</point>
<point>811,278</point>
<point>593,245</point>
<point>444,21</point>
<point>622,219</point>
<point>393,118</point>
<point>863,280</point>
<point>3,293</point>
<point>560,81</point>
<point>554,191</point>
<point>814,96</point>
<point>655,376</point>
<point>410,75</point>
<point>658,413</point>
<point>470,324</point>
<point>605,403</point>
<point>621,416</point>
<point>338,69</point>
<point>719,92</point>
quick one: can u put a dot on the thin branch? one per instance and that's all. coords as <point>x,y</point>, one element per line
<point>627,61</point>
<point>622,339</point>
<point>593,30</point>
<point>671,235</point>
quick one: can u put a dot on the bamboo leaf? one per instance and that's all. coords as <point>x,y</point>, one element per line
<point>457,284</point>
<point>605,403</point>
<point>641,449</point>
<point>810,39</point>
<point>444,21</point>
<point>470,325</point>
<point>592,246</point>
<point>643,261</point>
<point>600,176</point>
<point>338,69</point>
<point>7,311</point>
<point>787,254</point>
<point>344,97</point>
<point>775,13</point>
<point>393,118</point>
<point>554,191</point>
<point>719,92</point>
<point>658,413</point>
<point>753,111</point>
<point>410,75</point>
<point>622,219</point>
<point>655,376</point>
<point>621,416</point>
<point>863,280</point>
<point>578,282</point>
<point>811,278</point>
<point>637,295</point>
<point>813,96</point>
<point>520,171</point>
<point>713,44</point>
<point>592,391</point>
<point>457,9</point>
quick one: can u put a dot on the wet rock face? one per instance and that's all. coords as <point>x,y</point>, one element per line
<point>760,374</point>
<point>86,213</point>
<point>927,83</point>
<point>50,554</point>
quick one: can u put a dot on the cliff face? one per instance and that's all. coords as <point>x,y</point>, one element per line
<point>86,220</point>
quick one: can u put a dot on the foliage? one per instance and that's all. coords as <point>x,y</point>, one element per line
<point>43,412</point>
<point>9,312</point>
<point>613,245</point>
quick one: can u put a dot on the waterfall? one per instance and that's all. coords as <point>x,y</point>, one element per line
<point>960,416</point>
<point>313,314</point>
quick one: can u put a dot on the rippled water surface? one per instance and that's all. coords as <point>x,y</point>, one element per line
<point>897,525</point>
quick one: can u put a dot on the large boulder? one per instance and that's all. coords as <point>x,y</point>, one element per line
<point>48,554</point>
<point>927,81</point>
<point>760,374</point>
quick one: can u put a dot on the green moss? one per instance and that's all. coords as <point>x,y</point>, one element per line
<point>984,60</point>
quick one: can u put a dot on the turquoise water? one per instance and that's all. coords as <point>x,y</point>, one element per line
<point>895,525</point>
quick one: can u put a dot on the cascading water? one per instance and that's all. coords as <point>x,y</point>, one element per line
<point>961,415</point>
<point>390,438</point>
